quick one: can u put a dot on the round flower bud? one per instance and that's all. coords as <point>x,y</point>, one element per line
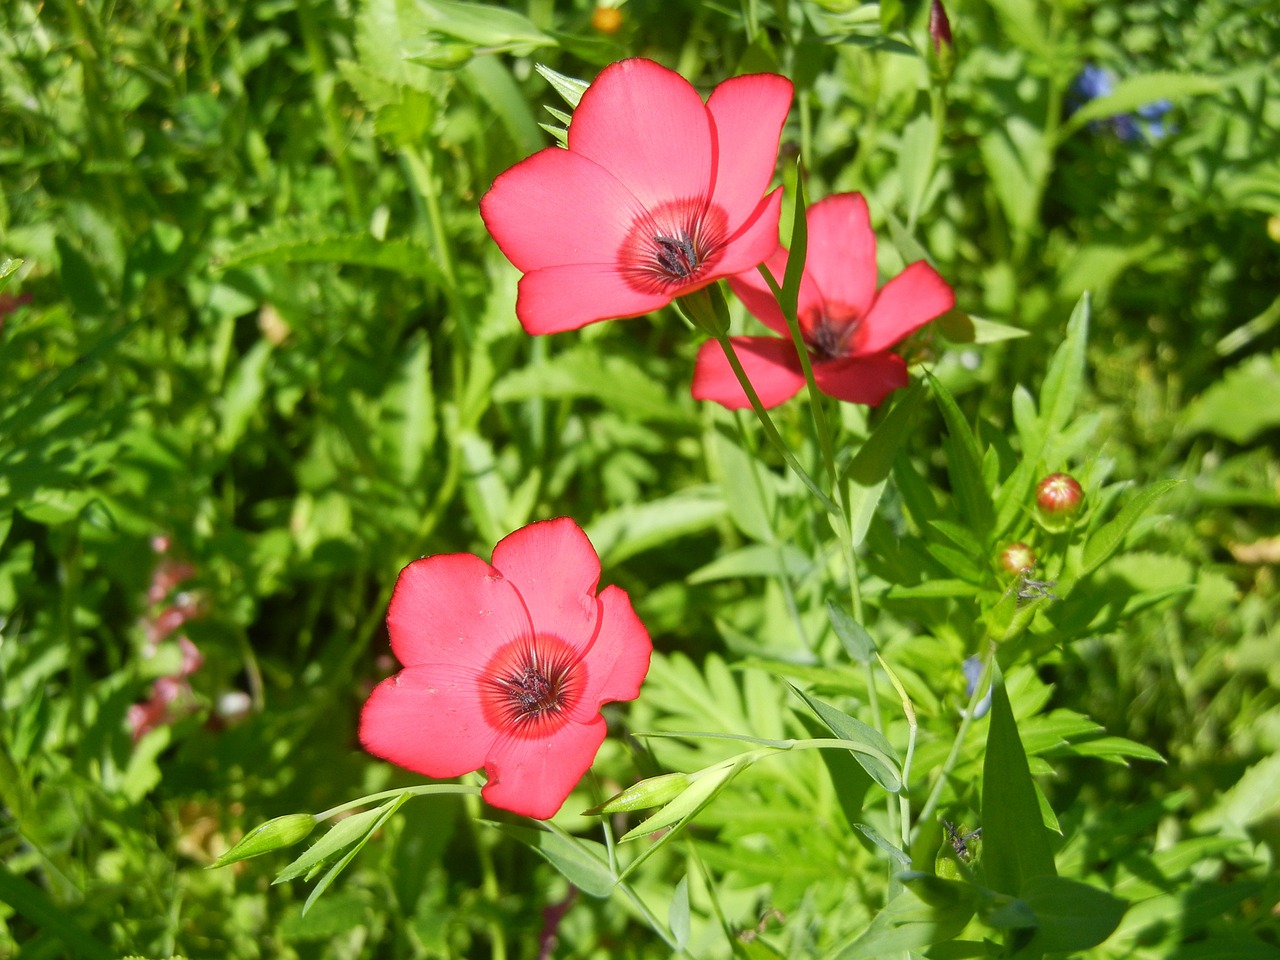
<point>1017,557</point>
<point>1058,499</point>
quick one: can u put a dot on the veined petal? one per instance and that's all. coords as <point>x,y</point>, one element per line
<point>755,241</point>
<point>558,298</point>
<point>554,567</point>
<point>558,207</point>
<point>533,778</point>
<point>771,365</point>
<point>842,252</point>
<point>905,304</point>
<point>617,662</point>
<point>747,114</point>
<point>865,380</point>
<point>648,127</point>
<point>429,720</point>
<point>453,609</point>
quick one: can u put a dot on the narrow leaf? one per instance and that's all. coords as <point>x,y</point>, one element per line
<point>868,472</point>
<point>1070,916</point>
<point>879,759</point>
<point>582,862</point>
<point>857,642</point>
<point>1106,540</point>
<point>964,462</point>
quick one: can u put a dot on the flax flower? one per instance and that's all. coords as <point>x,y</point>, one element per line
<point>657,195</point>
<point>506,666</point>
<point>848,326</point>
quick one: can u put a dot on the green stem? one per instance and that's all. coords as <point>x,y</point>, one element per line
<point>908,708</point>
<point>770,431</point>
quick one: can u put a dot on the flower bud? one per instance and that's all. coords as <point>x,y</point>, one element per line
<point>940,33</point>
<point>1058,499</point>
<point>272,835</point>
<point>1017,557</point>
<point>653,792</point>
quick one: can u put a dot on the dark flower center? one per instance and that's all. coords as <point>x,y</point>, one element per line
<point>529,686</point>
<point>671,246</point>
<point>831,334</point>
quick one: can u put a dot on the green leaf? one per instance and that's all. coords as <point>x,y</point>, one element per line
<point>960,327</point>
<point>583,862</point>
<point>343,833</point>
<point>964,462</point>
<point>705,785</point>
<point>632,529</point>
<point>857,642</point>
<point>1107,539</point>
<point>798,252</point>
<point>1243,404</point>
<point>323,884</point>
<point>8,267</point>
<point>1138,91</point>
<point>570,88</point>
<point>910,923</point>
<point>301,243</point>
<point>1070,916</point>
<point>482,24</point>
<point>1015,843</point>
<point>409,405</point>
<point>1064,379</point>
<point>1252,800</point>
<point>755,560</point>
<point>34,905</point>
<point>678,914</point>
<point>874,835</point>
<point>868,472</point>
<point>243,395</point>
<point>877,757</point>
<point>915,163</point>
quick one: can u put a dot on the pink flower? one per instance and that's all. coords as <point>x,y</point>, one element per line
<point>506,666</point>
<point>848,326</point>
<point>657,195</point>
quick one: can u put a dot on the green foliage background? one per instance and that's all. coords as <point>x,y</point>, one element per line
<point>260,315</point>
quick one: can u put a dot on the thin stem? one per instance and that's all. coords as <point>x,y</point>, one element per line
<point>421,790</point>
<point>904,797</point>
<point>770,430</point>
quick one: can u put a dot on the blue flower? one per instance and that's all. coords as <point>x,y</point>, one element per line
<point>1094,82</point>
<point>972,668</point>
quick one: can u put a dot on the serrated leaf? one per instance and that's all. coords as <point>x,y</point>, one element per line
<point>1243,404</point>
<point>1108,538</point>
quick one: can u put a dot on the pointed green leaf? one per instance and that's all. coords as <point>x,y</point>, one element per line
<point>678,914</point>
<point>964,462</point>
<point>583,862</point>
<point>910,923</point>
<point>1070,916</point>
<point>1064,380</point>
<point>1106,540</point>
<point>1015,843</point>
<point>876,755</point>
<point>868,472</point>
<point>857,642</point>
<point>343,833</point>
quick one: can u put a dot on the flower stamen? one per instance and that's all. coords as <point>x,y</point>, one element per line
<point>531,685</point>
<point>677,256</point>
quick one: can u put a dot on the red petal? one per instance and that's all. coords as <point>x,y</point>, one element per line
<point>861,379</point>
<point>905,304</point>
<point>429,720</point>
<point>554,567</point>
<point>533,777</point>
<point>758,298</point>
<point>755,242</point>
<point>453,609</point>
<point>648,127</point>
<point>619,659</point>
<point>555,299</point>
<point>747,114</point>
<point>842,251</point>
<point>771,365</point>
<point>557,207</point>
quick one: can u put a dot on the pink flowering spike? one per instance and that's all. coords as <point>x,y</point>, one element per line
<point>452,608</point>
<point>866,380</point>
<point>535,780</point>
<point>555,299</point>
<point>614,126</point>
<point>510,665</point>
<point>192,658</point>
<point>771,364</point>
<point>405,716</point>
<point>844,263</point>
<point>593,211</point>
<point>663,196</point>
<point>905,304</point>
<point>747,114</point>
<point>556,570</point>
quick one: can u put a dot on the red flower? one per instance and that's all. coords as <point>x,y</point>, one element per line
<point>847,324</point>
<point>506,666</point>
<point>657,195</point>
